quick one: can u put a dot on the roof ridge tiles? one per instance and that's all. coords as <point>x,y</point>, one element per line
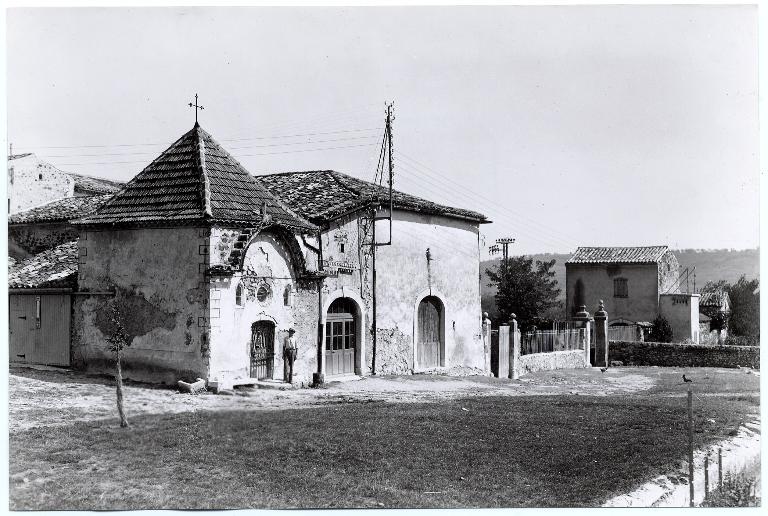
<point>326,195</point>
<point>618,254</point>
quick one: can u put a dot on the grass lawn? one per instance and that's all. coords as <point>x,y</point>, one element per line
<point>474,452</point>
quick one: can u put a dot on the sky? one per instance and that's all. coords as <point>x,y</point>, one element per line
<point>565,125</point>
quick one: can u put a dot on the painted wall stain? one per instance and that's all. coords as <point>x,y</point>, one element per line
<point>139,315</point>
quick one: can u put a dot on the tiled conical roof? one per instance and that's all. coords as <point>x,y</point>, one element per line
<point>194,181</point>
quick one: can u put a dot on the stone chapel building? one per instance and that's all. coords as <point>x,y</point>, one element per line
<point>211,266</point>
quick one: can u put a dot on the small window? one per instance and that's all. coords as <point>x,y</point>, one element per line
<point>288,295</point>
<point>239,295</point>
<point>263,294</point>
<point>620,288</point>
<point>341,247</point>
<point>39,176</point>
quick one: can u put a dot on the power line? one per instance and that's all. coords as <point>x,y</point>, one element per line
<point>234,154</point>
<point>502,222</point>
<point>332,140</point>
<point>220,139</point>
<point>443,178</point>
<point>429,183</point>
<point>487,200</point>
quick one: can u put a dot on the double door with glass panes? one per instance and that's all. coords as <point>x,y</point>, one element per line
<point>340,344</point>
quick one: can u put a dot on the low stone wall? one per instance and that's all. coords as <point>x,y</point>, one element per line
<point>550,361</point>
<point>683,355</point>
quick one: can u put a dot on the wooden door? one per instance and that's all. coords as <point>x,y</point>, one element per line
<point>262,350</point>
<point>340,338</point>
<point>22,328</point>
<point>430,333</point>
<point>52,340</point>
<point>39,329</point>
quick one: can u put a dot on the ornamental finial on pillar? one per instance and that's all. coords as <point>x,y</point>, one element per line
<point>601,310</point>
<point>582,313</point>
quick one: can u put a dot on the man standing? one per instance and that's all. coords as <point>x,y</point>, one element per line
<point>290,347</point>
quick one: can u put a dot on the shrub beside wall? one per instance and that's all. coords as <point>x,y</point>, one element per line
<point>683,355</point>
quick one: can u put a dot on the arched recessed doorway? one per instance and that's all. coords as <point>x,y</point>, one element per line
<point>262,349</point>
<point>430,339</point>
<point>340,337</point>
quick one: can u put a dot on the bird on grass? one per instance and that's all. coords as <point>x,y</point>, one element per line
<point>603,369</point>
<point>687,380</point>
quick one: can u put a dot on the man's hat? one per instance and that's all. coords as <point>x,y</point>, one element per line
<point>291,331</point>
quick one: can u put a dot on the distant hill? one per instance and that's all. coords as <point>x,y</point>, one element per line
<point>711,265</point>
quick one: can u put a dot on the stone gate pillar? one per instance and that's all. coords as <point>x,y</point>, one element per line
<point>601,336</point>
<point>582,316</point>
<point>486,329</point>
<point>514,348</point>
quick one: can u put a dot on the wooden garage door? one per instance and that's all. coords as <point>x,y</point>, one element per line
<point>340,337</point>
<point>39,329</point>
<point>430,333</point>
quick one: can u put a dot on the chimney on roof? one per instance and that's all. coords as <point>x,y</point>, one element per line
<point>265,217</point>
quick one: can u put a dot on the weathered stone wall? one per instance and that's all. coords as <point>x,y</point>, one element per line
<point>161,289</point>
<point>32,182</point>
<point>24,240</point>
<point>669,271</point>
<point>394,352</point>
<point>642,301</point>
<point>403,281</point>
<point>405,277</point>
<point>345,241</point>
<point>683,355</point>
<point>711,337</point>
<point>682,312</point>
<point>574,359</point>
<point>288,304</point>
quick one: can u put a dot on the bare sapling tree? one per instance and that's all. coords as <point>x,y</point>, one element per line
<point>118,340</point>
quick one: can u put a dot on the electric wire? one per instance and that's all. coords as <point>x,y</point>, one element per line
<point>426,182</point>
<point>236,155</point>
<point>440,177</point>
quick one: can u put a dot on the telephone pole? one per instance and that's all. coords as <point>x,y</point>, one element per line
<point>505,246</point>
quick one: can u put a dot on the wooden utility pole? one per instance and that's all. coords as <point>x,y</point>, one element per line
<point>505,246</point>
<point>374,244</point>
<point>391,163</point>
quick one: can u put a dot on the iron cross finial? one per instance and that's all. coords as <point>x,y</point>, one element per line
<point>196,106</point>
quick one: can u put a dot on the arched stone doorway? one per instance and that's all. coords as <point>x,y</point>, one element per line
<point>430,333</point>
<point>341,330</point>
<point>262,350</point>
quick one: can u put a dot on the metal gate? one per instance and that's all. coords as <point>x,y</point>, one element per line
<point>262,350</point>
<point>39,328</point>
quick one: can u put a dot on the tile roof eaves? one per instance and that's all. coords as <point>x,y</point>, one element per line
<point>406,201</point>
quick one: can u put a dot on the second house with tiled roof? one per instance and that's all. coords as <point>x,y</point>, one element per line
<point>628,279</point>
<point>636,284</point>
